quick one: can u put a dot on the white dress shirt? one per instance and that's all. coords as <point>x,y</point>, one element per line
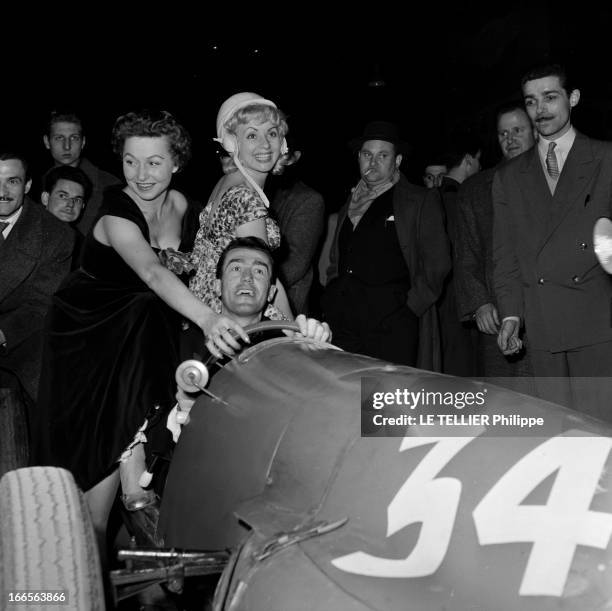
<point>11,220</point>
<point>561,151</point>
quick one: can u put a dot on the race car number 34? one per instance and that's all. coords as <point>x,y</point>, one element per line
<point>555,529</point>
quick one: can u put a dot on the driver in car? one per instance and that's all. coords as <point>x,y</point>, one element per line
<point>246,285</point>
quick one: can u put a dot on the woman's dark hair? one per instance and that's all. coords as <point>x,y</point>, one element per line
<point>153,124</point>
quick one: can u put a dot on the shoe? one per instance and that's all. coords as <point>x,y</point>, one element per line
<point>140,516</point>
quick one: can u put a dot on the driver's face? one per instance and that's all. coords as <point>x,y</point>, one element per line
<point>246,282</point>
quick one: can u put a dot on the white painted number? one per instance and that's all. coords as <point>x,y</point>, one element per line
<point>555,529</point>
<point>422,498</point>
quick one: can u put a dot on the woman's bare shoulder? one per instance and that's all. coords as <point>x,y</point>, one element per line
<point>178,201</point>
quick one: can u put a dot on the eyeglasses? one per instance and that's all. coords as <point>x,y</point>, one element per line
<point>515,131</point>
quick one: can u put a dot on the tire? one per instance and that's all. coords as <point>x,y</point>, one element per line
<point>47,541</point>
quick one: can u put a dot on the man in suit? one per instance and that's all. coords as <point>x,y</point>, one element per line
<point>388,260</point>
<point>65,142</point>
<point>458,350</point>
<point>300,212</point>
<point>473,259</point>
<point>35,250</point>
<point>546,275</point>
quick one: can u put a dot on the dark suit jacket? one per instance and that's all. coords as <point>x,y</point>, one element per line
<point>100,180</point>
<point>34,260</point>
<point>300,213</point>
<point>419,222</point>
<point>545,269</point>
<point>473,256</point>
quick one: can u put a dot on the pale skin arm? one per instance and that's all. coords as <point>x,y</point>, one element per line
<point>125,237</point>
<point>257,228</point>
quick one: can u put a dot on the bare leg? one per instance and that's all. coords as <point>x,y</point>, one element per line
<point>130,471</point>
<point>141,506</point>
<point>100,500</point>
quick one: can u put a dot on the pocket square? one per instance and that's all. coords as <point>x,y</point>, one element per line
<point>390,218</point>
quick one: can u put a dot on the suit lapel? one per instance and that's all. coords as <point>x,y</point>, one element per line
<point>573,181</point>
<point>535,189</point>
<point>21,250</point>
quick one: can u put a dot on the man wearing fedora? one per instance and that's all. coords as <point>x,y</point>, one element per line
<point>388,260</point>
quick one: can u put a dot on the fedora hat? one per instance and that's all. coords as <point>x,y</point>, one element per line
<point>380,130</point>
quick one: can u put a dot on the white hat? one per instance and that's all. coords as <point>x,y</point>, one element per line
<point>230,107</point>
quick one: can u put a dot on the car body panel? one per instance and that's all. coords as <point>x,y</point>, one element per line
<point>476,521</point>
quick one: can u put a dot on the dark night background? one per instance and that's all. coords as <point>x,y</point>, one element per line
<point>435,70</point>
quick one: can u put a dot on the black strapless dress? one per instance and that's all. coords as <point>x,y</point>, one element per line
<point>111,350</point>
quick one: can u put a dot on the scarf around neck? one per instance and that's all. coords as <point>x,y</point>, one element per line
<point>362,196</point>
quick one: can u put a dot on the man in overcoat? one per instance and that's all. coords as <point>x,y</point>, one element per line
<point>35,254</point>
<point>473,256</point>
<point>388,260</point>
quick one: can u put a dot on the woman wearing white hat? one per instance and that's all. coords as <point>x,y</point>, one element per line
<point>252,130</point>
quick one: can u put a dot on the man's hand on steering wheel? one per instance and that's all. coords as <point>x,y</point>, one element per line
<point>311,328</point>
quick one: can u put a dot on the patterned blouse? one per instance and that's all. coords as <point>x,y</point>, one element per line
<point>239,205</point>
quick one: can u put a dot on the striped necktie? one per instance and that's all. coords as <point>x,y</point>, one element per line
<point>551,161</point>
<point>3,226</point>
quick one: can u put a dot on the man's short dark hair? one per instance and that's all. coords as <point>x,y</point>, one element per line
<point>63,116</point>
<point>251,242</point>
<point>508,107</point>
<point>6,155</point>
<point>545,70</point>
<point>461,144</point>
<point>66,172</point>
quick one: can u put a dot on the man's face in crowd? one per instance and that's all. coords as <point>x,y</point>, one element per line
<point>65,201</point>
<point>13,186</point>
<point>514,133</point>
<point>65,143</point>
<point>378,161</point>
<point>549,106</point>
<point>433,175</point>
<point>246,284</point>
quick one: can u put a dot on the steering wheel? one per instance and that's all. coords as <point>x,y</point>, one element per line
<point>193,375</point>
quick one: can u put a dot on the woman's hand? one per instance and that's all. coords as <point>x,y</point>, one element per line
<point>313,329</point>
<point>222,334</point>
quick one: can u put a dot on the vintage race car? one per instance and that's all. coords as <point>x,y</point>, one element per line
<point>303,461</point>
<point>506,505</point>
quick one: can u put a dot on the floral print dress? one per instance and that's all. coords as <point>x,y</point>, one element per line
<point>239,205</point>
